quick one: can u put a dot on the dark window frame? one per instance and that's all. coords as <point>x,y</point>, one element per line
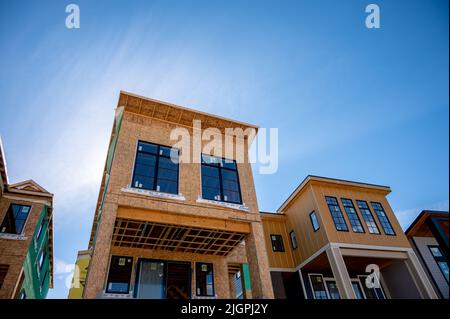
<point>107,290</point>
<point>198,270</point>
<point>294,242</point>
<point>220,168</point>
<point>157,155</point>
<point>343,199</point>
<point>41,228</point>
<point>365,217</point>
<point>313,213</point>
<point>333,217</point>
<point>439,259</point>
<point>386,222</point>
<point>2,225</point>
<point>42,257</point>
<point>274,249</point>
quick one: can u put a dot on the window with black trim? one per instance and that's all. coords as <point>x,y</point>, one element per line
<point>367,216</point>
<point>119,275</point>
<point>42,258</point>
<point>41,227</point>
<point>352,215</point>
<point>23,294</point>
<point>314,221</point>
<point>220,180</point>
<point>15,219</point>
<point>277,243</point>
<point>440,259</point>
<point>204,277</point>
<point>384,220</point>
<point>318,287</point>
<point>293,240</point>
<point>156,168</point>
<point>336,213</point>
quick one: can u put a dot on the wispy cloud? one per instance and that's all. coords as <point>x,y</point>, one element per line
<point>407,216</point>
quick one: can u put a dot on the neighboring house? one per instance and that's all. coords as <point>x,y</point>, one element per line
<point>79,277</point>
<point>164,228</point>
<point>26,238</point>
<point>330,234</point>
<point>428,235</point>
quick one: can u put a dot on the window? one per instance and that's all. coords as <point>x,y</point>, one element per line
<point>293,240</point>
<point>42,259</point>
<point>156,168</point>
<point>15,219</point>
<point>333,290</point>
<point>357,289</point>
<point>352,215</point>
<point>204,279</point>
<point>44,279</point>
<point>41,227</point>
<point>314,221</point>
<point>336,213</point>
<point>318,287</point>
<point>277,243</point>
<point>379,211</point>
<point>367,216</point>
<point>440,260</point>
<point>371,293</point>
<point>220,180</point>
<point>119,275</point>
<point>22,294</point>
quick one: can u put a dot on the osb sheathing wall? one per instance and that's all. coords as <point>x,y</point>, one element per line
<point>145,128</point>
<point>13,252</point>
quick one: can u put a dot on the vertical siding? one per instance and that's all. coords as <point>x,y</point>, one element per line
<point>298,218</point>
<point>368,195</point>
<point>421,244</point>
<point>276,225</point>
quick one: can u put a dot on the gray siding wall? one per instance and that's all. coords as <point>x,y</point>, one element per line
<point>421,246</point>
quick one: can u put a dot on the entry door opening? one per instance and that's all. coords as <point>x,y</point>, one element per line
<point>159,279</point>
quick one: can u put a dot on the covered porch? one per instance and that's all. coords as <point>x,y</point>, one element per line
<point>364,273</point>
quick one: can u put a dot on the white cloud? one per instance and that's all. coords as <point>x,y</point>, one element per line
<point>407,216</point>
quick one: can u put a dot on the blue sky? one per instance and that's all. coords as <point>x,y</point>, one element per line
<point>349,102</point>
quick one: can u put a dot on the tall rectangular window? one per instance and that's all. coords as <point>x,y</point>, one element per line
<point>293,239</point>
<point>352,215</point>
<point>15,219</point>
<point>314,221</point>
<point>220,180</point>
<point>156,168</point>
<point>384,221</point>
<point>367,216</point>
<point>119,275</point>
<point>204,277</point>
<point>440,260</point>
<point>277,243</point>
<point>42,258</point>
<point>336,213</point>
<point>318,287</point>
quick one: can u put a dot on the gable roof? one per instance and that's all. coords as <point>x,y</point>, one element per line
<point>29,187</point>
<point>417,226</point>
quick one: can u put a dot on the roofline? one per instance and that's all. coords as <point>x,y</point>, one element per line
<point>419,217</point>
<point>309,178</point>
<point>187,109</point>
